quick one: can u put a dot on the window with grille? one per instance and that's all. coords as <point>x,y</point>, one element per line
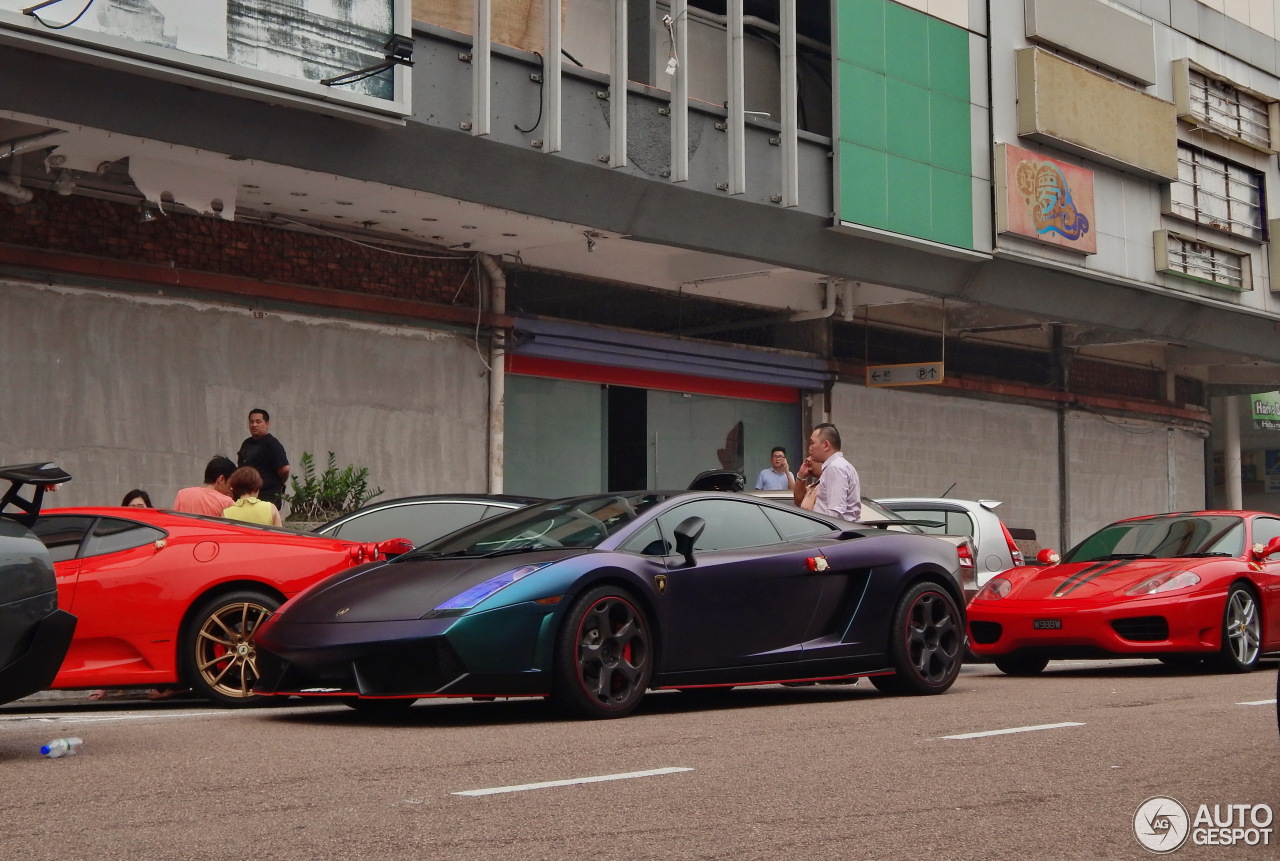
<point>1206,262</point>
<point>1218,193</point>
<point>1228,109</point>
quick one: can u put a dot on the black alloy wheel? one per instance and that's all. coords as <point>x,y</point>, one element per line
<point>217,654</point>
<point>926,643</point>
<point>1018,664</point>
<point>604,655</point>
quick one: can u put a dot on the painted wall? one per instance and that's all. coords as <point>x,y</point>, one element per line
<point>128,391</point>
<point>1122,467</point>
<point>902,443</point>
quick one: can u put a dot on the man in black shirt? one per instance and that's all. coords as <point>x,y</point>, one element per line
<point>264,453</point>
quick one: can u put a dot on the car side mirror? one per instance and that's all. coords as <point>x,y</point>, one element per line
<point>393,547</point>
<point>1048,557</point>
<point>1273,547</point>
<point>687,535</point>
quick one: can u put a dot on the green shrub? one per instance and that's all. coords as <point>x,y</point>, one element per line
<point>330,494</point>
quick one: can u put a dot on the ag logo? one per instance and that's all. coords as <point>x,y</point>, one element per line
<point>1161,824</point>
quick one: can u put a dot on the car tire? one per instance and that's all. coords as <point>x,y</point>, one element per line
<point>217,654</point>
<point>1020,665</point>
<point>1241,632</point>
<point>926,643</point>
<point>604,655</point>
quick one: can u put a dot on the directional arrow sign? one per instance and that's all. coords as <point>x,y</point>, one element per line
<point>927,374</point>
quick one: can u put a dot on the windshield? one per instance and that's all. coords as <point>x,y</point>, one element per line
<point>1171,537</point>
<point>580,523</point>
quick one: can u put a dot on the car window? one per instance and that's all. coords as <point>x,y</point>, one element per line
<point>730,524</point>
<point>581,522</point>
<point>1163,538</point>
<point>111,535</point>
<point>649,542</point>
<point>62,534</point>
<point>791,525</point>
<point>1264,529</point>
<point>953,522</point>
<point>420,522</point>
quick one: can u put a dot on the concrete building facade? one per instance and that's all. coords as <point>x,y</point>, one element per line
<point>707,227</point>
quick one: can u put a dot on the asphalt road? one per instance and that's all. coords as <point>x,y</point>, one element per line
<point>772,773</point>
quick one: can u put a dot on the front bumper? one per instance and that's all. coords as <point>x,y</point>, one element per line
<point>33,670</point>
<point>1134,626</point>
<point>490,654</point>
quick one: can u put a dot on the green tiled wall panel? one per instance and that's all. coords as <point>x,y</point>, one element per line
<point>905,144</point>
<point>864,184</point>
<point>863,92</point>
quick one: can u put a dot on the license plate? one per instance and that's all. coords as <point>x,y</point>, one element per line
<point>1047,624</point>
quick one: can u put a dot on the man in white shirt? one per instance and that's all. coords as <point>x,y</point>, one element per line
<point>839,492</point>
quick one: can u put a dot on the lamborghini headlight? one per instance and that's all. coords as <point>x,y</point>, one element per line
<point>480,591</point>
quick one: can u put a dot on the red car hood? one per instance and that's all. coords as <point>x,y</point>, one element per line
<point>1086,580</point>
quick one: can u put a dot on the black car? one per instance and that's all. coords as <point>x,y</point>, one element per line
<point>594,600</point>
<point>34,633</point>
<point>421,518</point>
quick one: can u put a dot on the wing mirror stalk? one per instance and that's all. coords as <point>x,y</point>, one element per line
<point>687,535</point>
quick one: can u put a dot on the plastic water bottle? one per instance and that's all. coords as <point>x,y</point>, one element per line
<point>61,747</point>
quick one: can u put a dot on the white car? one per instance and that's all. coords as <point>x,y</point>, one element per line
<point>996,548</point>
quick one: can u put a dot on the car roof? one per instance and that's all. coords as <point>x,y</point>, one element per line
<point>435,498</point>
<point>167,518</point>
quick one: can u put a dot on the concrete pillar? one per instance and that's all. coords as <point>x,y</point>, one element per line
<point>1231,452</point>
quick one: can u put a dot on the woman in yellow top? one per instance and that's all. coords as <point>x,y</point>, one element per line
<point>245,483</point>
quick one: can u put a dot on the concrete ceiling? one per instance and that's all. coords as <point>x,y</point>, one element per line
<point>79,160</point>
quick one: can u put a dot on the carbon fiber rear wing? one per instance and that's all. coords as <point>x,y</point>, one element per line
<point>39,477</point>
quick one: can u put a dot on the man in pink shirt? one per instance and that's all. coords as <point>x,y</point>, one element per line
<point>214,495</point>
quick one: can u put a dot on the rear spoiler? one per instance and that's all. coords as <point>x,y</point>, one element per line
<point>40,477</point>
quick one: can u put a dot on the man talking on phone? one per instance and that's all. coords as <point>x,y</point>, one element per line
<point>839,492</point>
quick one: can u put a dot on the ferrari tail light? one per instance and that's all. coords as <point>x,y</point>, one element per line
<point>1012,545</point>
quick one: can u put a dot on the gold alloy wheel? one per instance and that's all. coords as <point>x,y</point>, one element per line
<point>224,654</point>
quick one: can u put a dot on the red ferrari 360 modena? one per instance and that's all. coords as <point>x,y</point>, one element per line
<point>165,598</point>
<point>1183,587</point>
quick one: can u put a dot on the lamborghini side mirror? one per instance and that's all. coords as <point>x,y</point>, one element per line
<point>687,535</point>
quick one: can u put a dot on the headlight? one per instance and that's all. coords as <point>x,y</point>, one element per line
<point>1166,582</point>
<point>996,588</point>
<point>480,591</point>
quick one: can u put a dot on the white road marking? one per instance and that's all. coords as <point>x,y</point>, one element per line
<point>1258,703</point>
<point>1013,730</point>
<point>571,782</point>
